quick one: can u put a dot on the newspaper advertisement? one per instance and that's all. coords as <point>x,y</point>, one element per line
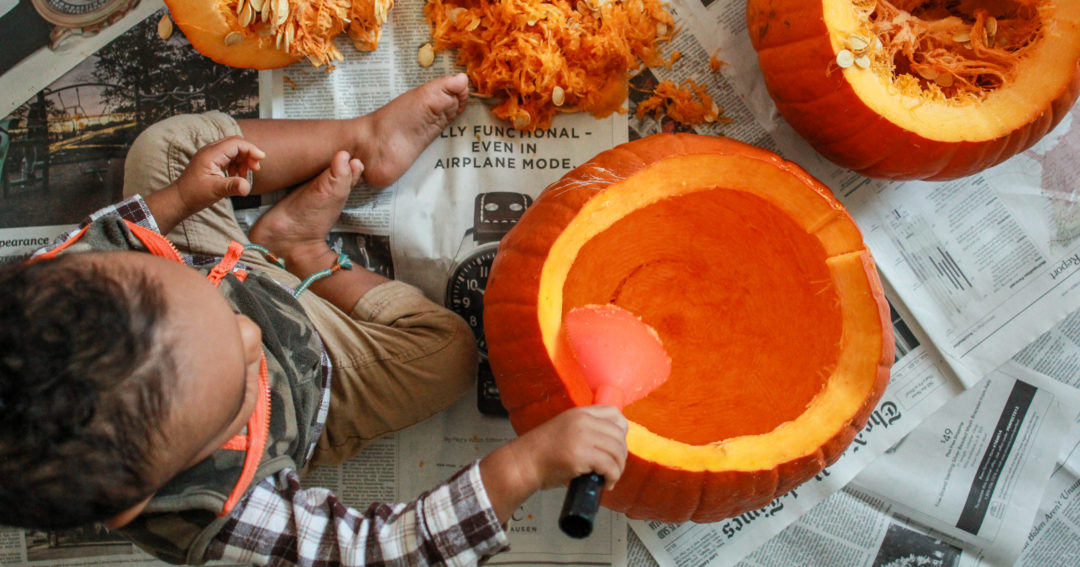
<point>986,263</point>
<point>977,469</point>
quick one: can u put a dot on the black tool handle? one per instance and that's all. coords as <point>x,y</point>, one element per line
<point>580,506</point>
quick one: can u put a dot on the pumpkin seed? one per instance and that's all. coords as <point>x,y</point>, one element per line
<point>426,56</point>
<point>928,73</point>
<point>473,24</point>
<point>522,119</point>
<point>558,96</point>
<point>164,27</point>
<point>382,8</point>
<point>454,13</point>
<point>862,62</point>
<point>714,113</point>
<point>279,38</point>
<point>856,43</point>
<point>944,79</point>
<point>240,6</point>
<point>233,39</point>
<point>845,59</point>
<point>991,25</point>
<point>264,11</point>
<point>962,37</point>
<point>281,11</point>
<point>661,29</point>
<point>256,5</point>
<point>247,15</point>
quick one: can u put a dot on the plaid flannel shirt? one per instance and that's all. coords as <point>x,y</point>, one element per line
<point>279,523</point>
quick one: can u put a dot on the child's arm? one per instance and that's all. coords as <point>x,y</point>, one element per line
<point>576,442</point>
<point>216,171</point>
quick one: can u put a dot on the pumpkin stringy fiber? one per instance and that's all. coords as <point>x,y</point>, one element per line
<point>539,57</point>
<point>954,49</point>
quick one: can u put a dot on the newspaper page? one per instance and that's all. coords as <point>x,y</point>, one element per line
<point>987,263</point>
<point>976,470</point>
<point>423,230</point>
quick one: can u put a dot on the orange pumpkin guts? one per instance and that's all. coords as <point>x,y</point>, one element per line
<point>539,57</point>
<point>919,89</point>
<point>760,287</point>
<point>266,34</point>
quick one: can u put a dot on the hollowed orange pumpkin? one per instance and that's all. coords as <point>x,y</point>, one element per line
<point>760,287</point>
<point>919,89</point>
<point>267,34</point>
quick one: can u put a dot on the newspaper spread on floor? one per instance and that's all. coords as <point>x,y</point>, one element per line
<point>981,271</point>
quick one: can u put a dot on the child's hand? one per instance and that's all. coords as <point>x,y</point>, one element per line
<point>575,442</point>
<point>216,171</point>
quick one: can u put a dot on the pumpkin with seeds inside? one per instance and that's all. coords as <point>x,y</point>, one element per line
<point>919,89</point>
<point>266,34</point>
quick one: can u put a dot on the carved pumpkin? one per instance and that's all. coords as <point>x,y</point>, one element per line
<point>919,89</point>
<point>267,34</point>
<point>760,287</point>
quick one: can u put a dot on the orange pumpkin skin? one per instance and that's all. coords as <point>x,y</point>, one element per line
<point>206,23</point>
<point>669,479</point>
<point>797,53</point>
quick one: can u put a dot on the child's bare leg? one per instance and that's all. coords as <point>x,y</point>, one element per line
<point>295,229</point>
<point>387,141</point>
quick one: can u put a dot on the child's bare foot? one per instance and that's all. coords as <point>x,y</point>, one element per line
<point>393,136</point>
<point>296,228</point>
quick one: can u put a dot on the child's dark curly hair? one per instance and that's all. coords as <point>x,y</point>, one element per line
<point>84,376</point>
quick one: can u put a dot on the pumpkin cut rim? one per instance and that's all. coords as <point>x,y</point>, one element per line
<point>856,376</point>
<point>1044,70</point>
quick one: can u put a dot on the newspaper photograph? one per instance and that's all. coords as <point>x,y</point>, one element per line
<point>64,146</point>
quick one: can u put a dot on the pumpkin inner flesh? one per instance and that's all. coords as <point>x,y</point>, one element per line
<point>853,378</point>
<point>957,71</point>
<point>742,299</point>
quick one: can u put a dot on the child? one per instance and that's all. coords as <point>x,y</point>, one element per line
<point>180,406</point>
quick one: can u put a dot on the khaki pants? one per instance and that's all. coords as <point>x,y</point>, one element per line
<point>398,358</point>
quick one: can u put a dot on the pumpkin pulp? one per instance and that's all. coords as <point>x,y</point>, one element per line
<point>768,357</point>
<point>963,70</point>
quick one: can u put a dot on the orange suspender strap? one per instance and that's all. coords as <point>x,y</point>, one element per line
<point>254,442</point>
<point>155,243</point>
<point>52,253</point>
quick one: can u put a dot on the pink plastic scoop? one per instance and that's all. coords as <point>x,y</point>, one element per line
<point>622,360</point>
<point>621,356</point>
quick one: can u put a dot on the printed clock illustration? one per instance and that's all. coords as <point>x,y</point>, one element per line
<point>80,17</point>
<point>494,214</point>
